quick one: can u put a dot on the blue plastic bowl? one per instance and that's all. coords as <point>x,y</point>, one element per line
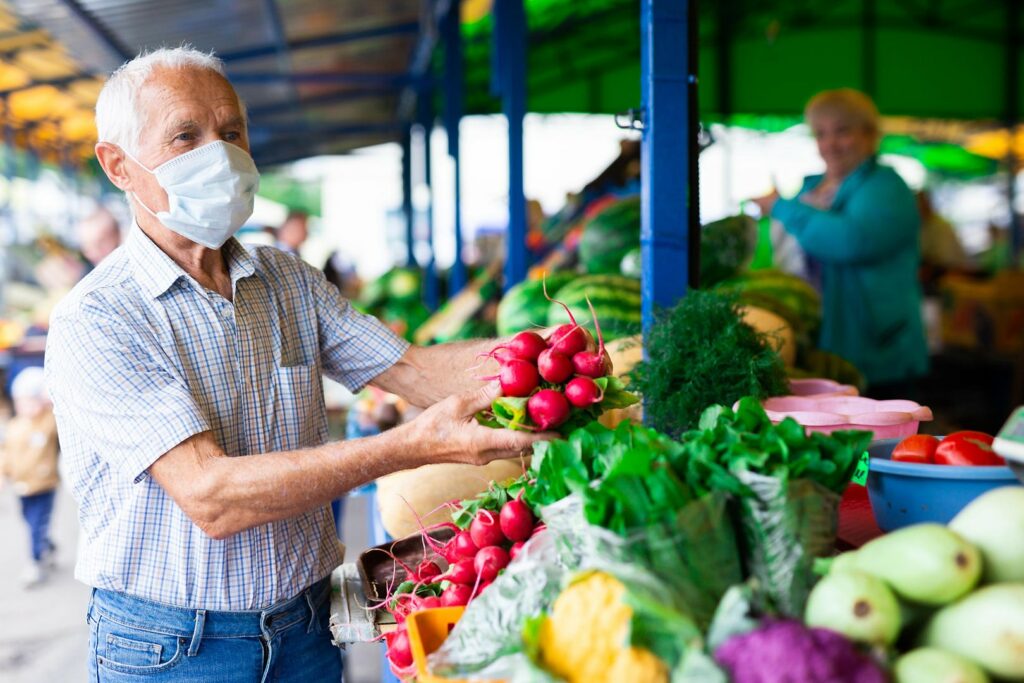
<point>904,493</point>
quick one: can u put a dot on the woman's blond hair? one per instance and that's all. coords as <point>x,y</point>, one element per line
<point>848,105</point>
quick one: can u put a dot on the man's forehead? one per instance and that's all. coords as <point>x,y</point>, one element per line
<point>168,89</point>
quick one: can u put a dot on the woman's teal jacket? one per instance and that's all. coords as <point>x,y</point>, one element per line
<point>869,245</point>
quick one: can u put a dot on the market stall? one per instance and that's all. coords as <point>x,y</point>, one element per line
<point>721,504</point>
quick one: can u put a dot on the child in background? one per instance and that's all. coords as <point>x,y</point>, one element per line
<point>28,459</point>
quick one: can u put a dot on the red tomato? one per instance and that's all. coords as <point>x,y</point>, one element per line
<point>919,448</point>
<point>967,448</point>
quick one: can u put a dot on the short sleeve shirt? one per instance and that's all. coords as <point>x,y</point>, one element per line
<point>140,357</point>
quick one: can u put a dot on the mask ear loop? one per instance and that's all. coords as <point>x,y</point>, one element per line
<point>147,170</point>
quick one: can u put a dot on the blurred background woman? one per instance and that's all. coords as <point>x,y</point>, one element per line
<point>859,225</point>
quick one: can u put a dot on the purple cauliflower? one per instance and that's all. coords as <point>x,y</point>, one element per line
<point>786,651</point>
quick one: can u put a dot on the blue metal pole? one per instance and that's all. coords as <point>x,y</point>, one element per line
<point>453,84</point>
<point>426,117</point>
<point>510,26</point>
<point>410,242</point>
<point>668,188</point>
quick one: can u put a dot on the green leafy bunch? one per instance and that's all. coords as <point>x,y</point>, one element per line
<point>623,475</point>
<point>700,353</point>
<point>729,442</point>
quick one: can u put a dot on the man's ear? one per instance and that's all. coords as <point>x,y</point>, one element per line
<point>113,162</point>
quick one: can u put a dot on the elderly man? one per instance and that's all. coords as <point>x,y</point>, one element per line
<point>186,378</point>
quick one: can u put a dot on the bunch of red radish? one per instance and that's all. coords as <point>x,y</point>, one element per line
<point>556,374</point>
<point>474,556</point>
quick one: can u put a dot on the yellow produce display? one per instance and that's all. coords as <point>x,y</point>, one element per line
<point>584,639</point>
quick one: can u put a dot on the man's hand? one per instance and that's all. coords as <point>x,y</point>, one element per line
<point>766,203</point>
<point>448,431</point>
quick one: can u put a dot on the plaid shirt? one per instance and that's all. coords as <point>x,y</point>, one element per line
<point>140,357</point>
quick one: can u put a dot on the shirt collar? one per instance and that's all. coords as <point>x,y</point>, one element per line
<point>157,272</point>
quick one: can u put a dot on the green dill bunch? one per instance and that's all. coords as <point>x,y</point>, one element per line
<point>700,352</point>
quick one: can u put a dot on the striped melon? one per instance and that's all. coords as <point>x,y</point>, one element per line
<point>616,301</point>
<point>609,235</point>
<point>524,307</point>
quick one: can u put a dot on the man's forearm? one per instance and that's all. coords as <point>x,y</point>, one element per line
<point>428,374</point>
<point>243,492</point>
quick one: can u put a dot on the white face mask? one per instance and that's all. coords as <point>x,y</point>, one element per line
<point>210,192</point>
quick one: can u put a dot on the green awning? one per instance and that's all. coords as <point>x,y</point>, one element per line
<point>936,60</point>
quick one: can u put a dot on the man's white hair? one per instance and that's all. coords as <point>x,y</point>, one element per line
<point>118,119</point>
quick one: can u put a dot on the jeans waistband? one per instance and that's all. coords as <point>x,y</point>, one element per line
<point>187,622</point>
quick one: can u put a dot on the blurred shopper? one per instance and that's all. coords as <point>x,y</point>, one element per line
<point>28,460</point>
<point>859,224</point>
<point>941,250</point>
<point>186,374</point>
<point>98,236</point>
<point>293,232</point>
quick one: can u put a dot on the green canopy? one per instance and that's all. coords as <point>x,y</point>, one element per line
<point>296,195</point>
<point>923,59</point>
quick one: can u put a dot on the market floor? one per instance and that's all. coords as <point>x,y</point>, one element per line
<point>43,635</point>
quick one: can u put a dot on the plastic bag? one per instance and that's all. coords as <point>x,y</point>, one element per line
<point>487,642</point>
<point>785,527</point>
<point>692,560</point>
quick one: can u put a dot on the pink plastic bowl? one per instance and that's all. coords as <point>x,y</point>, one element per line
<point>826,414</point>
<point>820,388</point>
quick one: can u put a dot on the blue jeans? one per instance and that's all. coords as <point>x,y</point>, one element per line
<point>37,509</point>
<point>137,640</point>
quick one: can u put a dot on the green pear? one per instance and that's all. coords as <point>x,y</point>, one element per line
<point>994,523</point>
<point>856,604</point>
<point>931,665</point>
<point>925,563</point>
<point>986,627</point>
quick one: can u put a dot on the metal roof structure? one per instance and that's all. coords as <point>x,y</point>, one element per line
<point>318,76</point>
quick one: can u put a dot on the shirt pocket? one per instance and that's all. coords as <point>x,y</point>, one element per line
<point>300,413</point>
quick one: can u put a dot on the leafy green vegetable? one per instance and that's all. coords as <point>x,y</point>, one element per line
<point>700,353</point>
<point>745,441</point>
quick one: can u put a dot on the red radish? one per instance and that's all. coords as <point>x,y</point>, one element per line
<point>518,377</point>
<point>568,339</point>
<point>430,602</point>
<point>483,585</point>
<point>514,550</point>
<point>548,408</point>
<point>554,367</point>
<point>399,650</point>
<point>582,392</point>
<point>539,528</point>
<point>526,345</point>
<point>489,561</point>
<point>449,552</point>
<point>456,595</point>
<point>465,548</point>
<point>485,529</point>
<point>516,520</point>
<point>593,363</point>
<point>427,570</point>
<point>462,572</point>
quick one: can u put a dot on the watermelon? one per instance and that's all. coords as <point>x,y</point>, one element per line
<point>616,301</point>
<point>726,247</point>
<point>786,295</point>
<point>609,235</point>
<point>630,265</point>
<point>524,307</point>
